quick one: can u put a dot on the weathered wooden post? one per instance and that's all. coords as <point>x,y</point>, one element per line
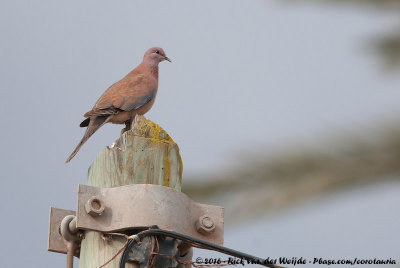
<point>133,185</point>
<point>146,154</point>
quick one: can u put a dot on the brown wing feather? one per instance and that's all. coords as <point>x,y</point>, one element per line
<point>131,92</point>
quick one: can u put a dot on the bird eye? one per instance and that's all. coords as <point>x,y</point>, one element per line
<point>157,51</point>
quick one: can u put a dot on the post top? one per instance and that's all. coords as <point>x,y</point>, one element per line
<point>143,127</point>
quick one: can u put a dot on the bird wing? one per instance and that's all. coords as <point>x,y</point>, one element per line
<point>131,92</point>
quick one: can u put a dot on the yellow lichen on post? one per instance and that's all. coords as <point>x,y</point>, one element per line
<point>166,171</point>
<point>146,154</point>
<point>143,127</point>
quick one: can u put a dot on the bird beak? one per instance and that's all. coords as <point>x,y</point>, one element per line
<point>166,58</point>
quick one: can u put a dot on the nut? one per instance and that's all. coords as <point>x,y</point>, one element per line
<point>94,206</point>
<point>205,225</point>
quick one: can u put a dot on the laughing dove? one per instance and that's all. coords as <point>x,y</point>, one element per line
<point>133,94</point>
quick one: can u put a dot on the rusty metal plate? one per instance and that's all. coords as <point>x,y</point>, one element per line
<point>56,242</point>
<point>144,205</point>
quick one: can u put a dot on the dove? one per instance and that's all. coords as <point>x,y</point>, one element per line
<point>120,103</point>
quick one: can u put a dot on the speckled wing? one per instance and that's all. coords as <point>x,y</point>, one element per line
<point>131,92</point>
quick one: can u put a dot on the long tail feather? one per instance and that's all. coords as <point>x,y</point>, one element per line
<point>94,124</point>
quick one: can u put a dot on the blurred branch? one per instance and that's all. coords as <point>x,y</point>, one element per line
<point>388,47</point>
<point>268,182</point>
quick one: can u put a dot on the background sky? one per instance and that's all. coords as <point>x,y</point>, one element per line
<point>245,76</point>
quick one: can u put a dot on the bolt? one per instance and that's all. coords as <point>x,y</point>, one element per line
<point>94,206</point>
<point>207,222</point>
<point>205,225</point>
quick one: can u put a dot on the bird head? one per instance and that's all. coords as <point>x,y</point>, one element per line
<point>155,55</point>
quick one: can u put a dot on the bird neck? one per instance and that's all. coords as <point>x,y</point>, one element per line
<point>151,68</point>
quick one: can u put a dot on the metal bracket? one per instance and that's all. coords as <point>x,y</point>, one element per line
<point>139,206</point>
<point>56,241</point>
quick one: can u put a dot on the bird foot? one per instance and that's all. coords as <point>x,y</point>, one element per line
<point>128,126</point>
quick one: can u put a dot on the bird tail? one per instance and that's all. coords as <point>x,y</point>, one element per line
<point>94,124</point>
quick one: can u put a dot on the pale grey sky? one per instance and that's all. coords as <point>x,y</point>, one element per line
<point>244,75</point>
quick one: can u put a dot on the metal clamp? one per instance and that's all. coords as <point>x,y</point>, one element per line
<point>56,241</point>
<point>138,206</point>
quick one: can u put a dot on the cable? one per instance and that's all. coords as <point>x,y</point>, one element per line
<point>194,242</point>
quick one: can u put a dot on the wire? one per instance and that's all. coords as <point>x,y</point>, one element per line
<point>194,242</point>
<point>120,250</point>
